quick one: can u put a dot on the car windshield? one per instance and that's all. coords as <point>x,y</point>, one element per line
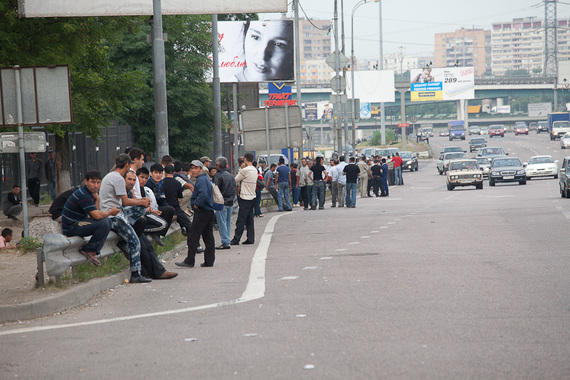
<point>406,155</point>
<point>540,160</point>
<point>451,156</point>
<point>491,151</point>
<point>452,149</point>
<point>497,127</point>
<point>483,160</point>
<point>463,165</point>
<point>456,127</point>
<point>498,163</point>
<point>477,141</point>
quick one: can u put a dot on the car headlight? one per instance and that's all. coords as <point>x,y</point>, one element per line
<point>521,171</point>
<point>408,162</point>
<point>476,176</point>
<point>495,173</point>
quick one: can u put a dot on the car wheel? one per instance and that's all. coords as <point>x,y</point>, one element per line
<point>490,136</point>
<point>479,186</point>
<point>502,135</point>
<point>491,182</point>
<point>528,178</point>
<point>449,187</point>
<point>523,182</point>
<point>440,172</point>
<point>556,176</point>
<point>417,167</point>
<point>562,147</point>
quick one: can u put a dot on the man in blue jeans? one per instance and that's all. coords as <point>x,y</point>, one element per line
<point>81,216</point>
<point>318,174</point>
<point>227,185</point>
<point>352,172</point>
<point>283,179</point>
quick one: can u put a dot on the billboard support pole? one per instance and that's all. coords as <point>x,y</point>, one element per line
<point>381,67</point>
<point>20,117</point>
<point>159,73</point>
<point>216,86</point>
<point>298,66</point>
<point>267,137</point>
<point>236,138</point>
<point>288,132</point>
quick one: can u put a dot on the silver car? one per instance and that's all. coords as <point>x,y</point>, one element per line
<point>444,158</point>
<point>565,141</point>
<point>485,164</point>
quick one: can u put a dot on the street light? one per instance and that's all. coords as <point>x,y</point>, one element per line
<point>361,2</point>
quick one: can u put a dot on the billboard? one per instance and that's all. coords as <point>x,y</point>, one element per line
<point>372,86</point>
<point>449,83</point>
<point>365,111</point>
<point>256,51</point>
<point>310,111</point>
<point>80,8</point>
<point>539,109</point>
<point>279,95</point>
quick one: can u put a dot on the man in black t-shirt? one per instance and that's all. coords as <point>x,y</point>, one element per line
<point>172,193</point>
<point>318,174</point>
<point>376,171</point>
<point>352,172</point>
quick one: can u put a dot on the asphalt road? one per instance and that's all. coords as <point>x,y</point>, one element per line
<point>425,284</point>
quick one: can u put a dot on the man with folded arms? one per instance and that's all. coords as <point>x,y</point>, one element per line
<point>246,181</point>
<point>81,216</point>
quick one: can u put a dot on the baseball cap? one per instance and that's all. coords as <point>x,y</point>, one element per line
<point>205,158</point>
<point>169,169</point>
<point>197,163</point>
<point>123,159</point>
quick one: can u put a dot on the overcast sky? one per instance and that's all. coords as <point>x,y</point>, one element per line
<point>413,23</point>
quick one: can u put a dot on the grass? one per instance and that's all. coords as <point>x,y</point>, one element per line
<point>29,244</point>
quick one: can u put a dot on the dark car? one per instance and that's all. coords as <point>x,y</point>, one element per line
<point>542,126</point>
<point>507,169</point>
<point>410,161</point>
<point>496,130</point>
<point>476,143</point>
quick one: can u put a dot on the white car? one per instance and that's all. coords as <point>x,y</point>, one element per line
<point>444,158</point>
<point>541,166</point>
<point>464,173</point>
<point>485,164</point>
<point>565,141</point>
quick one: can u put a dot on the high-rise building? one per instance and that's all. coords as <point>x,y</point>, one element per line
<point>315,46</point>
<point>464,47</point>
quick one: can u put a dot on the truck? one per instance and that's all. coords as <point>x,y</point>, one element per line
<point>456,129</point>
<point>558,124</point>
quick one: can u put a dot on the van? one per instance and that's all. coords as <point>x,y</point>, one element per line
<point>274,159</point>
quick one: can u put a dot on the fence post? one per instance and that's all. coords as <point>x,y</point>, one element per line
<point>40,260</point>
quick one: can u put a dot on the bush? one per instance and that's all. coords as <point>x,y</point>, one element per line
<point>377,137</point>
<point>29,244</point>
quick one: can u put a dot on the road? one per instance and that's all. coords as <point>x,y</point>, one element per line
<point>425,284</point>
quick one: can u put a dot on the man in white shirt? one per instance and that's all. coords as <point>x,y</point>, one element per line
<point>341,181</point>
<point>246,181</point>
<point>334,181</point>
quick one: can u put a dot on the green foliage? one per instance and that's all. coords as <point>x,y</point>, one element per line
<point>109,265</point>
<point>29,244</point>
<point>376,139</point>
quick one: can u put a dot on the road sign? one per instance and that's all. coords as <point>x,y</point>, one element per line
<point>403,125</point>
<point>335,83</point>
<point>341,98</point>
<point>331,60</point>
<point>254,128</point>
<point>34,142</point>
<point>413,119</point>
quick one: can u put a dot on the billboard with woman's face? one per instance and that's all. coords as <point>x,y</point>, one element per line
<point>256,51</point>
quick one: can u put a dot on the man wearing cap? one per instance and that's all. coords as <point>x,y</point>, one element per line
<point>227,185</point>
<point>173,192</point>
<point>202,202</point>
<point>246,181</point>
<point>114,194</point>
<point>205,160</point>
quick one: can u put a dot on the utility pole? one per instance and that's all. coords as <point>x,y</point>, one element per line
<point>159,74</point>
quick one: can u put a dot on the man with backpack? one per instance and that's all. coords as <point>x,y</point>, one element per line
<point>227,185</point>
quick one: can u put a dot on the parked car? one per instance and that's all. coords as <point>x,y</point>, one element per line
<point>485,164</point>
<point>474,130</point>
<point>368,152</point>
<point>497,130</point>
<point>541,166</point>
<point>565,141</point>
<point>507,169</point>
<point>393,151</point>
<point>274,159</point>
<point>449,149</point>
<point>410,161</point>
<point>542,126</point>
<point>521,128</point>
<point>476,143</point>
<point>491,153</point>
<point>444,158</point>
<point>464,173</point>
<point>564,178</point>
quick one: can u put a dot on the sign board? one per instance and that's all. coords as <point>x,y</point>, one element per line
<point>331,60</point>
<point>501,109</point>
<point>254,128</point>
<point>403,125</point>
<point>311,111</point>
<point>34,142</point>
<point>365,111</point>
<point>46,96</point>
<point>539,109</point>
<point>80,8</point>
<point>448,83</point>
<point>373,86</point>
<point>563,74</point>
<point>338,83</point>
<point>279,95</point>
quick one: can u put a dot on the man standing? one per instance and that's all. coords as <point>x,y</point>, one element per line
<point>114,194</point>
<point>246,180</point>
<point>202,202</point>
<point>334,182</point>
<point>34,168</point>
<point>397,160</point>
<point>50,175</point>
<point>13,203</point>
<point>341,181</point>
<point>318,174</point>
<point>351,172</point>
<point>172,193</point>
<point>376,171</point>
<point>269,179</point>
<point>227,185</point>
<point>363,177</point>
<point>384,179</point>
<point>302,177</point>
<point>283,179</point>
<point>81,216</point>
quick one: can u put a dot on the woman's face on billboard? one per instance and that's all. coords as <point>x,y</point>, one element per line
<point>268,51</point>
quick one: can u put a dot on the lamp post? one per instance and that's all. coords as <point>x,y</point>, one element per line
<point>361,2</point>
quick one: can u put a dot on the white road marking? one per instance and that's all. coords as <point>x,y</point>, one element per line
<point>255,289</point>
<point>340,249</point>
<point>365,237</point>
<point>354,242</point>
<point>374,232</point>
<point>566,213</point>
<point>391,222</point>
<point>309,268</point>
<point>289,278</point>
<point>326,258</point>
<point>384,227</point>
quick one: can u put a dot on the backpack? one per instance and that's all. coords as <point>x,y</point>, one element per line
<point>218,197</point>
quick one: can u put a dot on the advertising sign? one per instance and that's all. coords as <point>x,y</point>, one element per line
<point>311,112</point>
<point>539,109</point>
<point>77,8</point>
<point>372,86</point>
<point>449,83</point>
<point>365,111</point>
<point>256,51</point>
<point>279,95</point>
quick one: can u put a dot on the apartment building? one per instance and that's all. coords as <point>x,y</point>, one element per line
<point>315,47</point>
<point>464,47</point>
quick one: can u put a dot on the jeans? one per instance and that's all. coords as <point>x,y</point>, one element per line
<point>224,219</point>
<point>341,194</point>
<point>257,203</point>
<point>334,192</point>
<point>295,194</point>
<point>398,175</point>
<point>283,192</point>
<point>351,195</point>
<point>384,182</point>
<point>125,230</point>
<point>318,190</point>
<point>306,192</point>
<point>51,189</point>
<point>97,229</point>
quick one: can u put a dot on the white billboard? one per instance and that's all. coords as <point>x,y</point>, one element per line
<point>372,86</point>
<point>539,109</point>
<point>448,83</point>
<point>80,8</point>
<point>256,51</point>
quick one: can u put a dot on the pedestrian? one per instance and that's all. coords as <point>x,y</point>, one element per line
<point>50,175</point>
<point>384,179</point>
<point>246,181</point>
<point>269,179</point>
<point>303,174</point>
<point>376,172</point>
<point>13,204</point>
<point>333,173</point>
<point>341,181</point>
<point>318,174</point>
<point>295,184</point>
<point>227,185</point>
<point>173,193</point>
<point>202,202</point>
<point>283,180</point>
<point>257,205</point>
<point>391,175</point>
<point>364,168</point>
<point>397,160</point>
<point>34,169</point>
<point>310,184</point>
<point>351,172</point>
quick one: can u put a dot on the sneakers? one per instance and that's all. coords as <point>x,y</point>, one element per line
<point>184,231</point>
<point>157,239</point>
<point>139,280</point>
<point>200,249</point>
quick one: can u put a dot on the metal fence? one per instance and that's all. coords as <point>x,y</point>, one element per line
<point>86,154</point>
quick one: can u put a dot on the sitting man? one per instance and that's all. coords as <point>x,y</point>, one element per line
<point>114,194</point>
<point>13,203</point>
<point>6,237</point>
<point>81,216</point>
<point>160,217</point>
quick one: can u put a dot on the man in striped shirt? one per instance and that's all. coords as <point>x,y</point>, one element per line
<point>82,217</point>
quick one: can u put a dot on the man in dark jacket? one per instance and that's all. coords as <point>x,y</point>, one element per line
<point>227,185</point>
<point>202,202</point>
<point>13,203</point>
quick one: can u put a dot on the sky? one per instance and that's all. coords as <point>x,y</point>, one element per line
<point>411,24</point>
